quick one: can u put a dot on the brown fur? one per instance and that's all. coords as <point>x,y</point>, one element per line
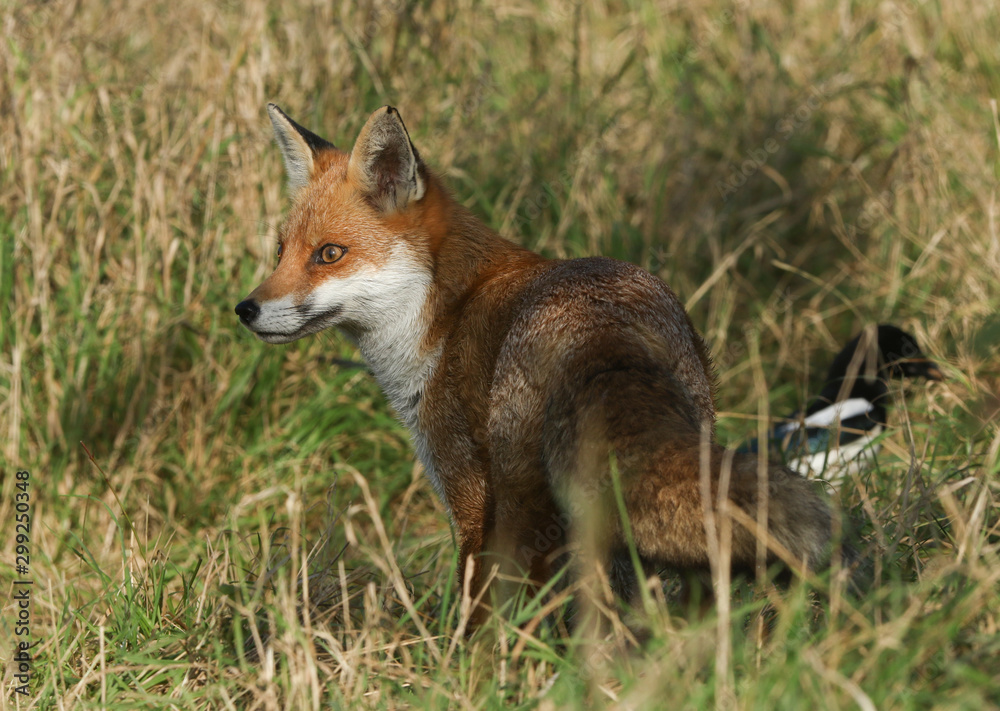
<point>546,368</point>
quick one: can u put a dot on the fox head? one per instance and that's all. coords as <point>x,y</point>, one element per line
<point>353,251</point>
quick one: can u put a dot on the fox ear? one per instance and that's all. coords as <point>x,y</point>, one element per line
<point>299,147</point>
<point>385,164</point>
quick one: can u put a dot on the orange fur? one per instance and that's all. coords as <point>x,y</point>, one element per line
<point>518,376</point>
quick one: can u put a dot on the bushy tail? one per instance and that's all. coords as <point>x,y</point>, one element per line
<point>673,481</point>
<point>671,505</point>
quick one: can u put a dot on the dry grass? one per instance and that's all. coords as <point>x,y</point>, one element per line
<point>794,172</point>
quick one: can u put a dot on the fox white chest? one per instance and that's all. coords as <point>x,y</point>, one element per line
<point>394,346</point>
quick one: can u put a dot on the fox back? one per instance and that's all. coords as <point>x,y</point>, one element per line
<point>520,378</point>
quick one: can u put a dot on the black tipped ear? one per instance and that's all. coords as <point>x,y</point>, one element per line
<point>384,163</point>
<point>299,147</point>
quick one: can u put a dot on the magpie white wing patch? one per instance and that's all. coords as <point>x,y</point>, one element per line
<point>839,462</point>
<point>839,411</point>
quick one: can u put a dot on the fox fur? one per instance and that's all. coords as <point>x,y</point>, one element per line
<point>519,377</point>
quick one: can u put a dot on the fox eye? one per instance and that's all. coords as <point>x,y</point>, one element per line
<point>330,253</point>
<point>281,248</point>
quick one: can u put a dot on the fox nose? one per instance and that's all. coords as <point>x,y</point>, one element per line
<point>247,311</point>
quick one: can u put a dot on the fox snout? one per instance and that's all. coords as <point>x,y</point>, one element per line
<point>247,310</point>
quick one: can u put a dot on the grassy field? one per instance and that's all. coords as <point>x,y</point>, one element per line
<point>218,523</point>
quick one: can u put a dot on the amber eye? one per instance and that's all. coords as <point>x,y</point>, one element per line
<point>280,250</point>
<point>330,253</point>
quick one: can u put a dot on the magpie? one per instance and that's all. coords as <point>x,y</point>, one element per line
<point>838,430</point>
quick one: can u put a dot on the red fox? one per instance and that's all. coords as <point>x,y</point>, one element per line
<point>519,377</point>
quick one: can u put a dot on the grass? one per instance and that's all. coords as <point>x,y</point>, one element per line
<point>252,530</point>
